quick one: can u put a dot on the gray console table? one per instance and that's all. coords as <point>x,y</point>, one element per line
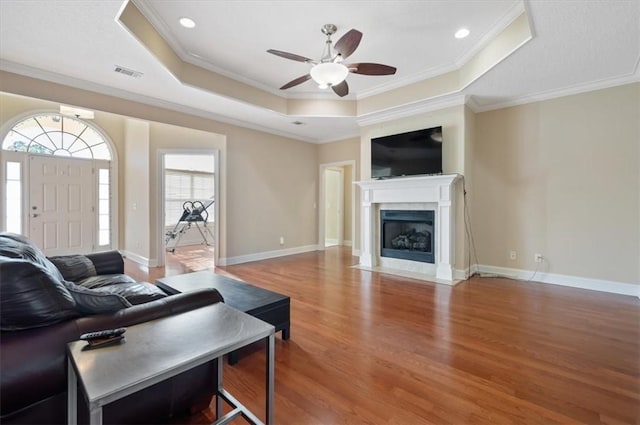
<point>160,349</point>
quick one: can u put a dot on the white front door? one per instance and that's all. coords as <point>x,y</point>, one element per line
<point>61,204</point>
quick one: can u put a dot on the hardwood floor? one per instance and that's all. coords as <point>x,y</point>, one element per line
<point>370,348</point>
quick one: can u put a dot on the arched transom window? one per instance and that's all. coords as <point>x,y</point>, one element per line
<point>56,134</point>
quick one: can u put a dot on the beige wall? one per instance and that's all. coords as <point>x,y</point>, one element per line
<point>561,178</point>
<point>273,189</point>
<point>136,199</point>
<point>272,181</point>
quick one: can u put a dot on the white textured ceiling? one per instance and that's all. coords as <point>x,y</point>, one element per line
<point>576,44</point>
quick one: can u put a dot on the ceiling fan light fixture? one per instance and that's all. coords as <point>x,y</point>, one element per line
<point>329,74</point>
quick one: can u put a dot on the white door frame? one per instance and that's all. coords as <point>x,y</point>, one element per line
<point>160,226</point>
<point>321,200</point>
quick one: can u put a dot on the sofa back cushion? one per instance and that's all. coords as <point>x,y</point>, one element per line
<point>17,246</point>
<point>32,296</point>
<point>74,267</point>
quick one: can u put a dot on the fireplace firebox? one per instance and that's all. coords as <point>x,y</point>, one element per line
<point>407,235</point>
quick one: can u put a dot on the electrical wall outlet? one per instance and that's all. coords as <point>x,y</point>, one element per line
<point>513,255</point>
<point>537,258</point>
<point>281,240</point>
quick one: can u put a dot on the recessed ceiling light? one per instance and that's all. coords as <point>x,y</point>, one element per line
<point>187,22</point>
<point>462,33</point>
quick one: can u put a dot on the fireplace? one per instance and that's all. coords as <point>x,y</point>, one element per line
<point>410,194</point>
<point>407,235</point>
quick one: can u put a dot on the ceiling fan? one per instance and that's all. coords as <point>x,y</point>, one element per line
<point>329,71</point>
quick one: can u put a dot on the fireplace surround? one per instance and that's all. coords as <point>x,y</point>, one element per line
<point>434,193</point>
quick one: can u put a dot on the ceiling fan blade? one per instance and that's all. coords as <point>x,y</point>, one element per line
<point>371,69</point>
<point>341,89</point>
<point>295,82</point>
<point>348,43</point>
<point>288,55</point>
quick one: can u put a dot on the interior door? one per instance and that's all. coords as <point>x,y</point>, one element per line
<point>61,210</point>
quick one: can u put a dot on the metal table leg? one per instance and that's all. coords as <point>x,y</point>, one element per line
<point>270,377</point>
<point>72,395</point>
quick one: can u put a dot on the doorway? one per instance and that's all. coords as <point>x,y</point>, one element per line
<point>188,222</point>
<point>333,206</point>
<point>336,225</point>
<point>60,180</point>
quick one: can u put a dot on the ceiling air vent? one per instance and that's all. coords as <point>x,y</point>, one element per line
<point>127,72</point>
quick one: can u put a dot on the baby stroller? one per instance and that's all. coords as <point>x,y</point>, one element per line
<point>194,213</point>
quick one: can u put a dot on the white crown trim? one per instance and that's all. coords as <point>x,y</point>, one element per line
<point>411,109</point>
<point>565,91</point>
<point>151,101</point>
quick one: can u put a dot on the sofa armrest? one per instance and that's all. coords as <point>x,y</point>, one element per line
<point>108,262</point>
<point>140,313</point>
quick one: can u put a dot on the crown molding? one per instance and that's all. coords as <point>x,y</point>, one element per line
<point>412,109</point>
<point>151,101</point>
<point>553,94</point>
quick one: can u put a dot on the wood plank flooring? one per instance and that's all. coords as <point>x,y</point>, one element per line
<point>370,348</point>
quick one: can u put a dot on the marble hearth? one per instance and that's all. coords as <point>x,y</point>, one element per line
<point>410,193</point>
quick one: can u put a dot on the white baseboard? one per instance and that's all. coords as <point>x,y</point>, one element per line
<point>229,261</point>
<point>564,280</point>
<point>347,243</point>
<point>463,274</point>
<point>355,252</point>
<point>140,259</point>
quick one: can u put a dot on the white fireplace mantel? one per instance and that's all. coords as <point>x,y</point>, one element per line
<point>435,190</point>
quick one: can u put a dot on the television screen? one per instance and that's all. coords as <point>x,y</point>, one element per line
<point>407,154</point>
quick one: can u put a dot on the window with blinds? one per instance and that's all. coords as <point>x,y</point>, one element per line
<point>182,186</point>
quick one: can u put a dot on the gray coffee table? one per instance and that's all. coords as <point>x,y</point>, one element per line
<point>266,305</point>
<point>110,373</point>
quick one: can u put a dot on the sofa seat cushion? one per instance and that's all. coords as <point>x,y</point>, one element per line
<point>135,292</point>
<point>93,301</point>
<point>31,296</point>
<point>74,267</point>
<point>99,281</point>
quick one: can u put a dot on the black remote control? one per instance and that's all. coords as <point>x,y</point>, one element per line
<point>107,333</point>
<point>103,342</point>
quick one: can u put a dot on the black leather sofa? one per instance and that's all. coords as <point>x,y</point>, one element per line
<point>46,303</point>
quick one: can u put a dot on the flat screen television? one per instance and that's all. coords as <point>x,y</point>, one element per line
<point>408,154</point>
